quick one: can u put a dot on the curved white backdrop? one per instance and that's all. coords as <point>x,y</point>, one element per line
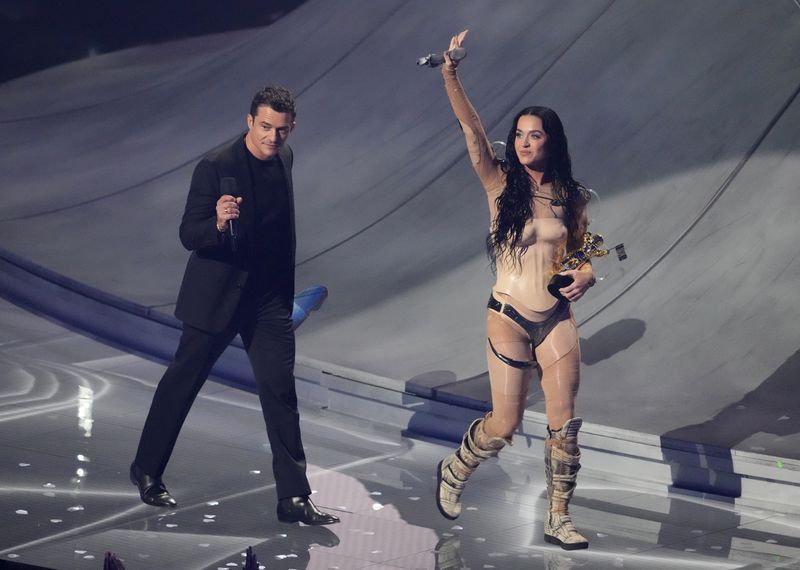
<point>684,116</point>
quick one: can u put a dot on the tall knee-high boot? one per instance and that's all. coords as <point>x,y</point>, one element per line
<point>455,469</point>
<point>562,461</point>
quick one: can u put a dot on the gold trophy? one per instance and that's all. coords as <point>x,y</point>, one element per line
<point>592,247</point>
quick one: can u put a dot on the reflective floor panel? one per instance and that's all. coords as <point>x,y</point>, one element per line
<point>70,414</point>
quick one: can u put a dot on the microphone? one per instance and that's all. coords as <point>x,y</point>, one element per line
<point>228,186</point>
<point>437,59</point>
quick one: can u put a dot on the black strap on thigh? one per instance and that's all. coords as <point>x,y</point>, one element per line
<point>522,365</point>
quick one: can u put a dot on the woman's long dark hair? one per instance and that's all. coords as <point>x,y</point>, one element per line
<point>515,204</point>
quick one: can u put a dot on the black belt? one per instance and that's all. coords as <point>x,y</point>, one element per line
<point>536,331</point>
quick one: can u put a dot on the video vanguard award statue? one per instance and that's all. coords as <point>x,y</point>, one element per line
<point>592,247</point>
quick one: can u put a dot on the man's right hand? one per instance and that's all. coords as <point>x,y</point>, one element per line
<point>227,209</point>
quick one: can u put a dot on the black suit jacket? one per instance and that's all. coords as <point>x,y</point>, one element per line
<point>215,276</point>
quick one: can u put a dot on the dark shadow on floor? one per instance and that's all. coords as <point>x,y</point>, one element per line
<point>700,456</point>
<point>611,339</point>
<point>773,408</point>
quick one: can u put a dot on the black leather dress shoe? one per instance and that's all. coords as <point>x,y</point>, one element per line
<point>301,509</point>
<point>151,489</point>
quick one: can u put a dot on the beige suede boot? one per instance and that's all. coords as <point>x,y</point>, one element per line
<point>455,469</point>
<point>562,462</point>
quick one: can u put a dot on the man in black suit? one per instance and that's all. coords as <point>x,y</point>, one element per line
<point>238,282</point>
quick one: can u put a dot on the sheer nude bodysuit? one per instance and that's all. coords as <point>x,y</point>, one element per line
<point>525,288</point>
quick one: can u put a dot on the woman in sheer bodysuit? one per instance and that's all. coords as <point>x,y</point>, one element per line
<point>537,212</point>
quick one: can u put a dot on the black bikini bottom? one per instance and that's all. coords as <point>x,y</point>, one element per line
<point>537,332</point>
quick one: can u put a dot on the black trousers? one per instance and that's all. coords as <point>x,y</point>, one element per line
<point>264,321</point>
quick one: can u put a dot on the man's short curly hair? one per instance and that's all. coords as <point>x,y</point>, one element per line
<point>278,98</point>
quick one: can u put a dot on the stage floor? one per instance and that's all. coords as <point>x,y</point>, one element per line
<point>71,410</point>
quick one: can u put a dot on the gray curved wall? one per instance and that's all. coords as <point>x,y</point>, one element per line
<point>684,116</point>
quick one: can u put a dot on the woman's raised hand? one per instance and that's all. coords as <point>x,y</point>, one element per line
<point>455,42</point>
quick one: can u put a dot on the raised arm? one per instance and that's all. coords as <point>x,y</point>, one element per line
<point>480,149</point>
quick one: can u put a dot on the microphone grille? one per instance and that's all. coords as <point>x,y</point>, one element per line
<point>228,185</point>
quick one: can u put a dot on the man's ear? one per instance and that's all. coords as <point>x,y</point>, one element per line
<point>250,121</point>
